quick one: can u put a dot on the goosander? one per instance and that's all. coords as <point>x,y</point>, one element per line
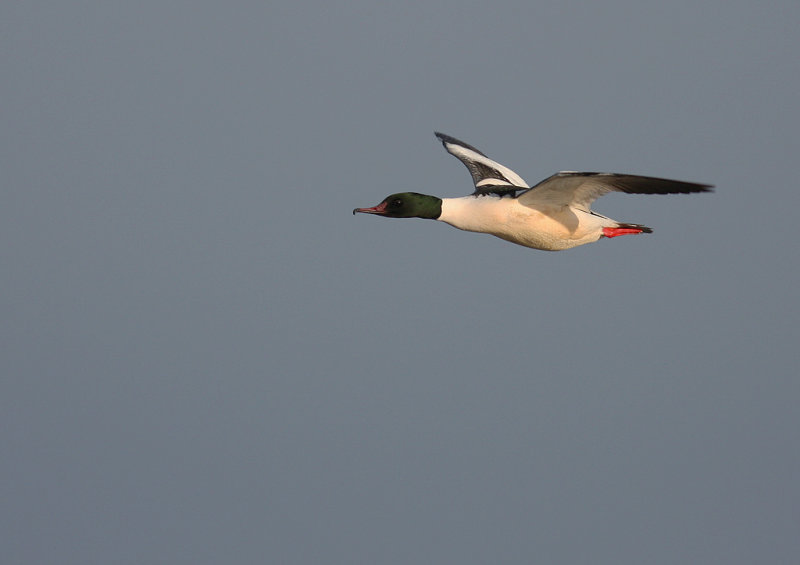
<point>553,215</point>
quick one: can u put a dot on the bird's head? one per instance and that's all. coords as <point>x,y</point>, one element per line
<point>406,205</point>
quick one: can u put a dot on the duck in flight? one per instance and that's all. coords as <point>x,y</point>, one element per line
<point>554,215</point>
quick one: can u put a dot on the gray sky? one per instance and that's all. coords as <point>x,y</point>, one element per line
<point>207,359</point>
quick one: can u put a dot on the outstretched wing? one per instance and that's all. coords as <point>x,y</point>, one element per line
<point>487,175</point>
<point>579,190</point>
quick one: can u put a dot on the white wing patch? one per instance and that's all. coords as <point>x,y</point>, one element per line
<point>484,171</point>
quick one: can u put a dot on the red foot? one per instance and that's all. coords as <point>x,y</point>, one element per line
<point>614,232</point>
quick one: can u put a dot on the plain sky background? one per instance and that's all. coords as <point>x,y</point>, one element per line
<point>207,359</point>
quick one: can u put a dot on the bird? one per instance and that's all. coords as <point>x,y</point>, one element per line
<point>553,215</point>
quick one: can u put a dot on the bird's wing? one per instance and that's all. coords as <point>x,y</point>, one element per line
<point>485,172</point>
<point>579,190</point>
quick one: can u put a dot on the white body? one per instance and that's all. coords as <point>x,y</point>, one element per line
<point>537,225</point>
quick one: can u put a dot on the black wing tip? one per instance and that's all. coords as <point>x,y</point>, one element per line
<point>445,139</point>
<point>684,187</point>
<point>637,184</point>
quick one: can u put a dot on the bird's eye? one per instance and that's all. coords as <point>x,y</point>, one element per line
<point>397,202</point>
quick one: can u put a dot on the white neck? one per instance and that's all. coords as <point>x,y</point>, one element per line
<point>480,214</point>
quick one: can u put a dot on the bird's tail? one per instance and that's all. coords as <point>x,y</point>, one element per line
<point>625,229</point>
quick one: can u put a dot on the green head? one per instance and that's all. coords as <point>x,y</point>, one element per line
<point>406,205</point>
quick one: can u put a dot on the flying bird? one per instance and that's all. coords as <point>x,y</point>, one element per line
<point>554,215</point>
